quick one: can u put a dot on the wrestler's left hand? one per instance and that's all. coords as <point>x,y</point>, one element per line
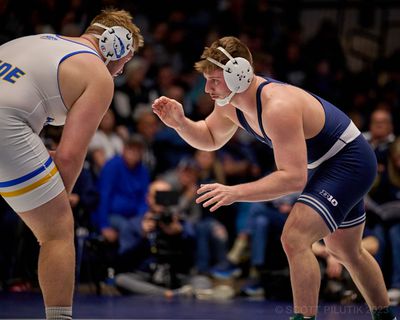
<point>216,194</point>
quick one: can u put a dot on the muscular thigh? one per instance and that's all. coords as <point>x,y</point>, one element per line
<point>345,242</point>
<point>305,225</point>
<point>52,220</point>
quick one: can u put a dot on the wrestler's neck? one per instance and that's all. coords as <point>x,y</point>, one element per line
<point>246,100</point>
<point>90,41</point>
<point>86,40</point>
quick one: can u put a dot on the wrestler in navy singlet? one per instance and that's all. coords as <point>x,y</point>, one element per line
<point>342,165</point>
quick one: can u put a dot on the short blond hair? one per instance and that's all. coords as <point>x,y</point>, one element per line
<point>112,17</point>
<point>233,45</point>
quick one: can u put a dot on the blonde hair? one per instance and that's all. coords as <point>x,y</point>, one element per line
<point>112,17</point>
<point>233,45</point>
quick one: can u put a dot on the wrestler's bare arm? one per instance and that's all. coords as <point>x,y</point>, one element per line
<point>209,134</point>
<point>82,121</point>
<point>284,124</point>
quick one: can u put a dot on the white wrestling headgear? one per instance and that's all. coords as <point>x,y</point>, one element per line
<point>238,74</point>
<point>115,42</point>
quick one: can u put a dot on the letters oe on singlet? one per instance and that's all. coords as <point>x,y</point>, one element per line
<point>9,73</point>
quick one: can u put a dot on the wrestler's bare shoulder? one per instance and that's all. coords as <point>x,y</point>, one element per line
<point>80,71</point>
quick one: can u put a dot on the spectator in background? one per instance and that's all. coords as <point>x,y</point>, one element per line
<point>386,197</point>
<point>265,227</point>
<point>167,139</point>
<point>211,234</point>
<point>84,197</point>
<point>380,135</point>
<point>239,161</point>
<point>165,80</point>
<point>160,257</point>
<point>390,85</point>
<point>210,166</point>
<point>133,94</point>
<point>325,45</point>
<point>261,237</point>
<point>239,165</point>
<point>106,143</point>
<point>185,179</point>
<point>123,185</point>
<point>148,125</point>
<point>202,105</point>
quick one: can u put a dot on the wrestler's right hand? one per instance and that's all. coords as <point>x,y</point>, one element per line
<point>169,111</point>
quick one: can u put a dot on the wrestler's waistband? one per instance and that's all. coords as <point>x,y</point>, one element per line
<point>346,137</point>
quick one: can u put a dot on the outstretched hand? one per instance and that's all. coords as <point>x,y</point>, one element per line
<point>169,111</point>
<point>216,194</point>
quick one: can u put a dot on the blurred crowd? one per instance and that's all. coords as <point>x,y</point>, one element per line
<point>138,227</point>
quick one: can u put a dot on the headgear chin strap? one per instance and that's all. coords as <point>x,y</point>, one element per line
<point>226,100</point>
<point>115,42</point>
<point>238,74</point>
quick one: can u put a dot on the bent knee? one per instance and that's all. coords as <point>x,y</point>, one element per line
<point>64,231</point>
<point>293,241</point>
<point>51,221</point>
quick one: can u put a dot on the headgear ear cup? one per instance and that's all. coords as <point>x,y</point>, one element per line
<point>238,74</point>
<point>115,42</point>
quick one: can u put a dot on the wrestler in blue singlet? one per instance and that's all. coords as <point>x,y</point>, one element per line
<point>337,156</point>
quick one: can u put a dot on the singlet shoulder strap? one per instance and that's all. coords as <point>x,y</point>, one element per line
<point>245,124</point>
<point>259,108</point>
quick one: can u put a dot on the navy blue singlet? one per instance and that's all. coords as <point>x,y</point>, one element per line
<point>341,162</point>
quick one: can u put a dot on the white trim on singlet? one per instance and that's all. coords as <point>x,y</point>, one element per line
<point>321,208</point>
<point>353,222</point>
<point>347,136</point>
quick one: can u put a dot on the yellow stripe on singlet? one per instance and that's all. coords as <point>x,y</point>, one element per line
<point>31,186</point>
